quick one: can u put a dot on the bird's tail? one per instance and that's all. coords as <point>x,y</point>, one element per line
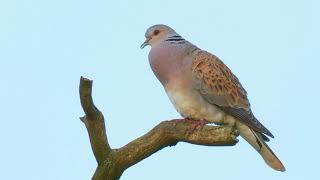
<point>256,140</point>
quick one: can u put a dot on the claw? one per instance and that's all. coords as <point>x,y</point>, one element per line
<point>177,121</point>
<point>199,124</point>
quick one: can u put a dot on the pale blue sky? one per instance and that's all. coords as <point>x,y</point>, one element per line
<point>45,46</point>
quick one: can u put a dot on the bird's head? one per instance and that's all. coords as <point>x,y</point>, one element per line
<point>157,33</point>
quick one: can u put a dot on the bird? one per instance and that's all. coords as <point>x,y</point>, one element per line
<point>202,88</point>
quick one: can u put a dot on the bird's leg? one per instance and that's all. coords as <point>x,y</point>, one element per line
<point>179,120</point>
<point>199,124</point>
<point>195,123</point>
<point>176,121</point>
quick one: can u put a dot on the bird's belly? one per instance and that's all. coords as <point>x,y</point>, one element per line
<point>190,104</point>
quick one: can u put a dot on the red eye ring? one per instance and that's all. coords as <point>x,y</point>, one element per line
<point>156,32</point>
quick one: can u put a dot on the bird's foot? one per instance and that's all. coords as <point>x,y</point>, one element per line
<point>195,124</point>
<point>198,124</point>
<point>177,121</point>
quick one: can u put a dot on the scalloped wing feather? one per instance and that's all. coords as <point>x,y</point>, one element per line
<point>219,86</point>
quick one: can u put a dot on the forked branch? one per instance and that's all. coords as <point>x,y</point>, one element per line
<point>113,162</point>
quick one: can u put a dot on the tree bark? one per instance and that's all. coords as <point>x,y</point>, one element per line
<point>113,162</point>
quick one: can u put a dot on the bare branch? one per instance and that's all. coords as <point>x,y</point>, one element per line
<point>94,122</point>
<point>169,133</point>
<point>87,104</point>
<point>113,162</point>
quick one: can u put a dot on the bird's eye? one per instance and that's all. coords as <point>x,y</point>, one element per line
<point>156,32</point>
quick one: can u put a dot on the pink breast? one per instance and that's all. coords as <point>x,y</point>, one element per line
<point>165,61</point>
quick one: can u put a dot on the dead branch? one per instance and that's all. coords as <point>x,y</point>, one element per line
<point>113,162</point>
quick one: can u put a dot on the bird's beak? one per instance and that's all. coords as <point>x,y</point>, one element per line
<point>145,43</point>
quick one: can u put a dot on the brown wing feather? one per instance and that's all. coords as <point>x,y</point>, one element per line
<point>219,86</point>
<point>249,119</point>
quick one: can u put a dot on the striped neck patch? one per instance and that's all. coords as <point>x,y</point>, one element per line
<point>175,39</point>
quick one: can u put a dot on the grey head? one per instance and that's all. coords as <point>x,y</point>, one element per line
<point>158,33</point>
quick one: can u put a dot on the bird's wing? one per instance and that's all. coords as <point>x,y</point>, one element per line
<point>218,85</point>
